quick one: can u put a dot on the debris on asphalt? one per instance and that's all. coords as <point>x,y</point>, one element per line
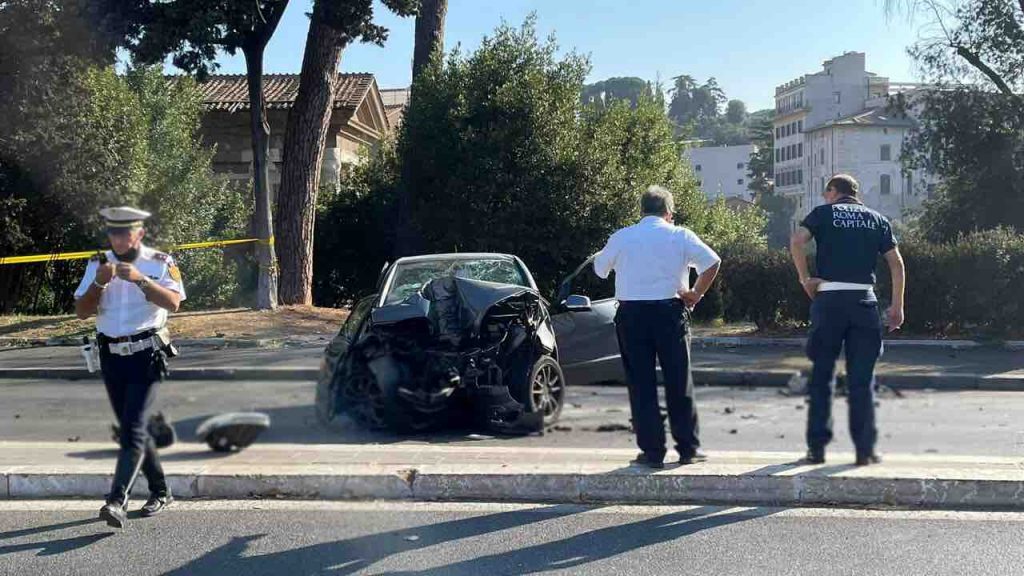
<point>562,428</point>
<point>74,439</point>
<point>729,410</point>
<point>799,406</point>
<point>17,416</point>
<point>734,431</point>
<point>613,410</point>
<point>614,428</point>
<point>412,538</point>
<point>574,405</point>
<point>797,384</point>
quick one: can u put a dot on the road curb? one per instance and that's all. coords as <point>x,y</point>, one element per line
<point>715,341</point>
<point>626,487</point>
<point>743,341</point>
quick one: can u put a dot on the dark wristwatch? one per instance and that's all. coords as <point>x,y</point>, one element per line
<point>143,282</point>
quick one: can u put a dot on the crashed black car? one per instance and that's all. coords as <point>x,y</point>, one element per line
<point>462,339</point>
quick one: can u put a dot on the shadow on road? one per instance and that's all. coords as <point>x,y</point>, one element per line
<point>54,547</point>
<point>356,554</point>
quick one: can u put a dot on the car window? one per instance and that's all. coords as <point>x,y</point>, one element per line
<point>411,277</point>
<point>355,318</point>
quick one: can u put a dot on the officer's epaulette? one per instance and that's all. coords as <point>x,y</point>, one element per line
<point>161,256</point>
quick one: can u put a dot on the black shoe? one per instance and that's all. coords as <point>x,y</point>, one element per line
<point>155,504</point>
<point>688,459</point>
<point>815,456</point>
<point>643,459</point>
<point>114,515</point>
<point>868,459</point>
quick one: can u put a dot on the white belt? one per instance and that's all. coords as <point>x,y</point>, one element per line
<point>129,348</point>
<point>836,286</point>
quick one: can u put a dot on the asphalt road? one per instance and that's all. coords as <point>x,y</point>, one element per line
<point>300,538</point>
<point>979,423</point>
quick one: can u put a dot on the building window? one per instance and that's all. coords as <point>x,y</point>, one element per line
<point>697,167</point>
<point>740,166</point>
<point>740,181</point>
<point>778,154</point>
<point>837,97</point>
<point>800,126</point>
<point>822,161</point>
<point>800,150</point>
<point>799,176</point>
<point>885,184</point>
<point>778,132</point>
<point>886,154</point>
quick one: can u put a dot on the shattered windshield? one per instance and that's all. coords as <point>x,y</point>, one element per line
<point>411,277</point>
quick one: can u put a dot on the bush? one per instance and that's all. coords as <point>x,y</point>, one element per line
<point>135,142</point>
<point>759,285</point>
<point>499,155</point>
<point>970,287</point>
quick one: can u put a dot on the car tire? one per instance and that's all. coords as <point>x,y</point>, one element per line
<point>543,390</point>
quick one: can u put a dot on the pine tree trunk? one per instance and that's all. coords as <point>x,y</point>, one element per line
<point>429,39</point>
<point>304,141</point>
<point>429,33</point>
<point>263,226</point>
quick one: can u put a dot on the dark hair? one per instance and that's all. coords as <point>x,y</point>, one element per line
<point>844,184</point>
<point>656,201</point>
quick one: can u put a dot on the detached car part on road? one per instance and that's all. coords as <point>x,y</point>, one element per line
<point>449,340</point>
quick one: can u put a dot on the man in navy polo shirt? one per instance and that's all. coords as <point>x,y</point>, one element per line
<point>844,313</point>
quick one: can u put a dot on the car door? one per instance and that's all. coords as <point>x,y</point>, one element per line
<point>587,343</point>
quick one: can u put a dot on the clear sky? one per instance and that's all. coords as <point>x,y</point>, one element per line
<point>750,46</point>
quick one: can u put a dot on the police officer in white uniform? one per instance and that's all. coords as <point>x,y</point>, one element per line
<point>131,288</point>
<point>652,262</point>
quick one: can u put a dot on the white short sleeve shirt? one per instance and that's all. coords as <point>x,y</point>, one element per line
<point>123,308</point>
<point>652,260</point>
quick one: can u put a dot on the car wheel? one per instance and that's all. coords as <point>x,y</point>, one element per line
<point>546,389</point>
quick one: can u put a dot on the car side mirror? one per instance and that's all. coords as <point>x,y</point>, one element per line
<point>577,303</point>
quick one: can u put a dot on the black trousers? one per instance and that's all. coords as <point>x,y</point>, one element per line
<point>658,331</point>
<point>841,319</point>
<point>131,383</point>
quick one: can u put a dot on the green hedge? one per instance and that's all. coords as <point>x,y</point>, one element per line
<point>973,287</point>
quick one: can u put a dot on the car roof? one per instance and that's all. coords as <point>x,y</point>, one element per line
<point>455,256</point>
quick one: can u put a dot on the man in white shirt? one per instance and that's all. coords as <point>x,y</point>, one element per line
<point>131,288</point>
<point>652,262</point>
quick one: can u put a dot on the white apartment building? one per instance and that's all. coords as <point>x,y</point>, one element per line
<point>838,121</point>
<point>721,170</point>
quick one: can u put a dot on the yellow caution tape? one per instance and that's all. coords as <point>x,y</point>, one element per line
<point>89,254</point>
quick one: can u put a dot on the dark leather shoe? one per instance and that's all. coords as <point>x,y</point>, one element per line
<point>815,456</point>
<point>688,459</point>
<point>155,504</point>
<point>644,459</point>
<point>114,515</point>
<point>868,459</point>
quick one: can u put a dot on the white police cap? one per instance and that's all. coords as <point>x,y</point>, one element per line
<point>124,217</point>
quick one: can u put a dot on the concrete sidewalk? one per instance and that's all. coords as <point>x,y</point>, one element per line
<point>565,475</point>
<point>978,368</point>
